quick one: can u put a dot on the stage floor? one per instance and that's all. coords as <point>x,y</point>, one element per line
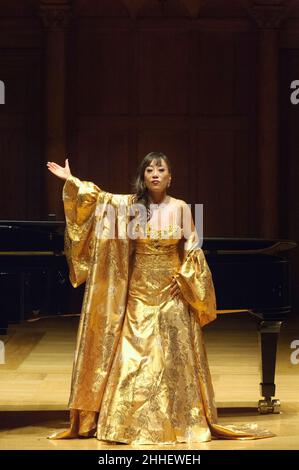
<point>35,382</point>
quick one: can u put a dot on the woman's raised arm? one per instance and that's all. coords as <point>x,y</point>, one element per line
<point>59,171</point>
<point>80,200</point>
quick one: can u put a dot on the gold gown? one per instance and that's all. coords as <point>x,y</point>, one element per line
<point>140,374</point>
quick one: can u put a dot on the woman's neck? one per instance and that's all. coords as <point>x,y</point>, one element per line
<point>157,198</point>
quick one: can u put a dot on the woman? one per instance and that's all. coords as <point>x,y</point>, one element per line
<point>140,373</point>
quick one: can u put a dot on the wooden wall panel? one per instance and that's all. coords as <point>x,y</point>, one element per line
<point>289,160</point>
<point>189,86</point>
<point>102,8</point>
<point>163,72</point>
<point>246,74</point>
<point>102,72</point>
<point>223,9</point>
<point>175,143</point>
<point>216,73</point>
<point>103,154</point>
<point>215,174</point>
<point>161,83</point>
<point>154,9</point>
<point>140,78</point>
<point>20,135</point>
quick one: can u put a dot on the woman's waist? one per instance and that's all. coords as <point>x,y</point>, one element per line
<point>162,259</point>
<point>156,248</point>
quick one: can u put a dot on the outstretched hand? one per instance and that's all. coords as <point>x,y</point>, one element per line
<point>59,171</point>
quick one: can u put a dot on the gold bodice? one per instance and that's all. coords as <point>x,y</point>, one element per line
<point>162,245</point>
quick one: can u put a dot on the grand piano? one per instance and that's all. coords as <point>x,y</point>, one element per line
<point>33,270</point>
<point>250,275</point>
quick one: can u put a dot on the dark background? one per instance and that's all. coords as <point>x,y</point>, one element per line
<point>106,81</point>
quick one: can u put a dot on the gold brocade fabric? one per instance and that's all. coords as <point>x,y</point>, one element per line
<point>140,374</point>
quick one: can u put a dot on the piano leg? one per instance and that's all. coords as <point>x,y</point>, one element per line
<point>268,336</point>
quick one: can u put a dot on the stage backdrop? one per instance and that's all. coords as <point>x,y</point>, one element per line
<point>106,81</point>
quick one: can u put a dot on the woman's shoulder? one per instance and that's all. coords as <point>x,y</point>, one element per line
<point>178,202</point>
<point>185,215</point>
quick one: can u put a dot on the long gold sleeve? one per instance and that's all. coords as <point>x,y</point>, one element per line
<point>79,199</point>
<point>195,282</point>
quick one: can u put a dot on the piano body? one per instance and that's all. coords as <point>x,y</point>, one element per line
<point>34,279</point>
<point>250,275</point>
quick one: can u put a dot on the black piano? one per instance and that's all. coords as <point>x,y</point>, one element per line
<point>34,280</point>
<point>249,275</point>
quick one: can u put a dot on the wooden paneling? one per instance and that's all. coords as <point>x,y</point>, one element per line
<point>191,98</point>
<point>215,174</point>
<point>163,72</point>
<point>175,143</point>
<point>216,73</point>
<point>103,155</point>
<point>103,72</point>
<point>289,161</point>
<point>182,79</point>
<point>152,8</point>
<point>140,78</point>
<point>20,134</point>
<point>103,8</point>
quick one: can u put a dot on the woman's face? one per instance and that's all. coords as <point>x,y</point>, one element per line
<point>157,176</point>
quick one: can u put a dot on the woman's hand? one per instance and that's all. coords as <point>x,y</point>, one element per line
<point>175,291</point>
<point>59,171</point>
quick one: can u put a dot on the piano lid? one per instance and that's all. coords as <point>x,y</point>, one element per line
<point>32,223</point>
<point>31,235</point>
<point>246,245</point>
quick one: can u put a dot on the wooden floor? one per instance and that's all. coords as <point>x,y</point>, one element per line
<point>35,381</point>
